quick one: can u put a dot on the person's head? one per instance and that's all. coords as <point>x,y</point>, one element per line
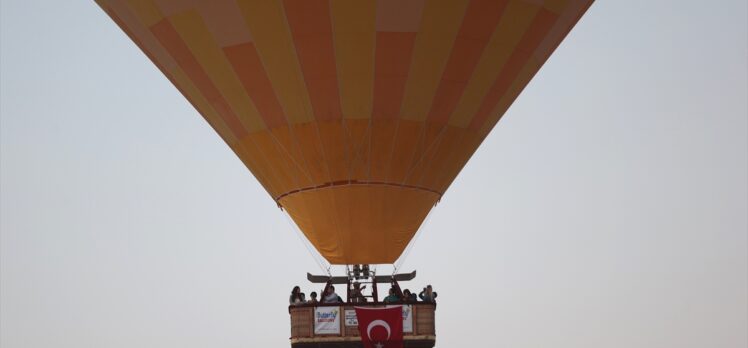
<point>356,286</point>
<point>331,290</point>
<point>313,295</point>
<point>392,291</point>
<point>406,292</point>
<point>296,290</point>
<point>302,295</point>
<point>428,288</point>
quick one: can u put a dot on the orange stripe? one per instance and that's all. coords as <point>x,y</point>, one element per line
<point>481,18</point>
<point>542,23</point>
<point>358,133</point>
<point>401,16</point>
<point>570,16</point>
<point>336,150</point>
<point>310,146</point>
<point>383,133</point>
<point>309,21</point>
<point>165,33</point>
<point>444,156</point>
<point>249,69</point>
<point>427,142</point>
<point>392,62</point>
<point>406,143</point>
<point>224,21</point>
<point>288,143</point>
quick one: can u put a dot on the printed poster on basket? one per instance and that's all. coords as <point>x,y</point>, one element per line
<point>327,321</point>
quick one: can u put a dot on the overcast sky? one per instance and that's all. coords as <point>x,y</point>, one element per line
<point>609,207</point>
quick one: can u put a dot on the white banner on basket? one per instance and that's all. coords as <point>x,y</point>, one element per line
<point>407,317</point>
<point>350,317</point>
<point>327,320</point>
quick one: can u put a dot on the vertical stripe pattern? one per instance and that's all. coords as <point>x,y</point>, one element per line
<point>355,116</point>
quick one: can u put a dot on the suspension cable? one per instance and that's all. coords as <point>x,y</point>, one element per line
<point>317,258</point>
<point>399,262</point>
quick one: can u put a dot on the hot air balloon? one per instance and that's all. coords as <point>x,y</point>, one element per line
<point>355,116</point>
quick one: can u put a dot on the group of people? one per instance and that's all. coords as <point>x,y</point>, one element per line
<point>329,296</point>
<point>297,297</point>
<point>426,295</point>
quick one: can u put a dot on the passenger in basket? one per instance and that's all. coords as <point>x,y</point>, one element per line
<point>428,294</point>
<point>391,297</point>
<point>408,297</point>
<point>356,295</point>
<point>331,296</point>
<point>297,297</point>
<point>313,297</point>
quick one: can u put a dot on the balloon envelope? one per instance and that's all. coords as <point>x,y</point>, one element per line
<point>355,116</point>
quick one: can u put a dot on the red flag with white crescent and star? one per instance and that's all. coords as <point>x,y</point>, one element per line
<point>380,327</point>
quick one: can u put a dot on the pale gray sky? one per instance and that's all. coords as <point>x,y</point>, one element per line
<point>609,208</point>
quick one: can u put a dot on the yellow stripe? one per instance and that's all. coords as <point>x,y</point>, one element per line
<point>556,6</point>
<point>267,23</point>
<point>354,34</point>
<point>272,160</point>
<point>195,34</point>
<point>514,22</point>
<point>147,11</point>
<point>251,164</point>
<point>439,26</point>
<point>255,157</point>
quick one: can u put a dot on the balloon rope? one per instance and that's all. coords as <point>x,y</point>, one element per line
<point>303,169</point>
<point>317,258</point>
<point>408,248</point>
<point>423,155</point>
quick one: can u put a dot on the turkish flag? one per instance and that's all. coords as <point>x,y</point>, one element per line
<point>380,327</point>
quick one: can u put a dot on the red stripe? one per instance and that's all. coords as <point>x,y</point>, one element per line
<point>248,67</point>
<point>312,34</point>
<point>541,25</point>
<point>169,38</point>
<point>478,24</point>
<point>392,63</point>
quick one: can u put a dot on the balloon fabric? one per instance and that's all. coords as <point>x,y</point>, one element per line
<point>355,116</point>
